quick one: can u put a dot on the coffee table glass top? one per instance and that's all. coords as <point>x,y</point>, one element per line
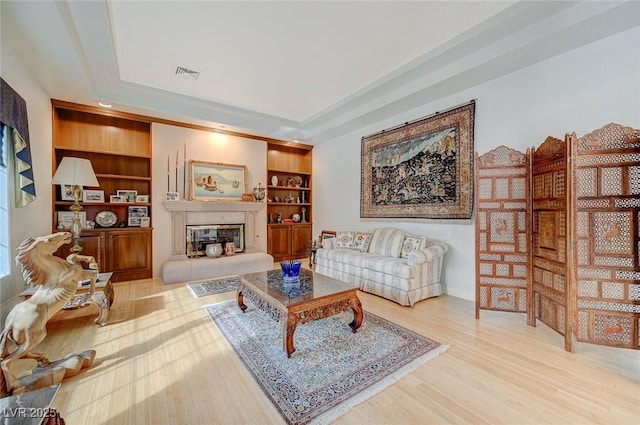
<point>311,285</point>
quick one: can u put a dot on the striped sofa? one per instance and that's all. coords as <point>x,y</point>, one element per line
<point>387,262</point>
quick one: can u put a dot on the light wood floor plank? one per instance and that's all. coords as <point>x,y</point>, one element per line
<point>161,360</point>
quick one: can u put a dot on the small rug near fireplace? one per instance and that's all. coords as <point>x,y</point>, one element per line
<point>214,286</point>
<point>332,368</point>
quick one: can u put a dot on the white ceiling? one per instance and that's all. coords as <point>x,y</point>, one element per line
<point>307,70</point>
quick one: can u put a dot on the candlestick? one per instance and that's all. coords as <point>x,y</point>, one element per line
<point>168,174</point>
<point>184,172</point>
<point>177,154</point>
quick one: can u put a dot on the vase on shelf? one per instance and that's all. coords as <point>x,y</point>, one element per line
<point>274,181</point>
<point>258,193</point>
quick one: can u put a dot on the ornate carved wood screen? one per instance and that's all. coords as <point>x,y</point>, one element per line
<point>550,204</point>
<point>583,227</point>
<point>607,238</point>
<point>502,230</point>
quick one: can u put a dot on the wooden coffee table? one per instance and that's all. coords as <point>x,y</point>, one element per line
<point>314,297</point>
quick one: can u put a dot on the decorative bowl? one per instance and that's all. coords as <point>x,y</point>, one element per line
<point>290,268</point>
<point>214,250</point>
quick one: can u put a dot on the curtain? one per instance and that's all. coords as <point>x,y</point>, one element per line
<point>13,114</point>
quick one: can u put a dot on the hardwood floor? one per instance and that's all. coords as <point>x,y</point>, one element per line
<point>161,360</point>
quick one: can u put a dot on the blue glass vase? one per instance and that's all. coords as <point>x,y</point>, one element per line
<point>290,268</point>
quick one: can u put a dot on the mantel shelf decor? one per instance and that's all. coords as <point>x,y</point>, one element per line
<point>422,169</point>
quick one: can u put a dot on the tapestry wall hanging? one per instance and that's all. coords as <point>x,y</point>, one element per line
<point>421,169</point>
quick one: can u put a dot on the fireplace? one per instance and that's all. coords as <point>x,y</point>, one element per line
<point>199,236</point>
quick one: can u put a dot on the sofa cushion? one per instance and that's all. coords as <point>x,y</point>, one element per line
<point>345,239</point>
<point>411,244</point>
<point>366,262</point>
<point>387,242</point>
<point>361,241</point>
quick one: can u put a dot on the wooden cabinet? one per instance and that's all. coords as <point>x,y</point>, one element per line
<point>289,241</point>
<point>119,148</point>
<point>126,252</point>
<point>289,199</point>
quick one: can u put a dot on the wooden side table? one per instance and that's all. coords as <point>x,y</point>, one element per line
<point>102,297</point>
<point>313,247</point>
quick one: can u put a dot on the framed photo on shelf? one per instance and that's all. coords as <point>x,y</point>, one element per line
<point>134,221</point>
<point>211,181</point>
<point>145,221</point>
<point>127,195</point>
<point>117,199</point>
<point>138,211</point>
<point>172,196</point>
<point>66,192</point>
<point>93,195</point>
<point>142,198</point>
<point>65,219</point>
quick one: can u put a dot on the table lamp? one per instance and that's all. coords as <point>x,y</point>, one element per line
<point>76,172</point>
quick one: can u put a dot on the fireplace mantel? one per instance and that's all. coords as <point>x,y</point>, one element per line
<point>185,213</point>
<point>215,206</point>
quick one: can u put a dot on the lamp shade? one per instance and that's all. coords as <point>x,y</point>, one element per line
<point>75,171</point>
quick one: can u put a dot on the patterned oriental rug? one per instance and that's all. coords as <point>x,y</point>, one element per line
<point>332,368</point>
<point>214,286</point>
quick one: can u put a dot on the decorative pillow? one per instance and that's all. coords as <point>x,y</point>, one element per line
<point>344,239</point>
<point>329,243</point>
<point>387,242</point>
<point>412,244</point>
<point>361,241</point>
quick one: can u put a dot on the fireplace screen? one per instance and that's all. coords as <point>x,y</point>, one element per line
<point>199,236</point>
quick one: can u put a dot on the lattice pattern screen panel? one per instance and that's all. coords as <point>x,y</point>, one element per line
<point>607,236</point>
<point>502,230</point>
<point>550,203</point>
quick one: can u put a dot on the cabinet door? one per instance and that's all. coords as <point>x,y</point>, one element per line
<point>129,254</point>
<point>92,243</point>
<point>279,241</point>
<point>300,239</point>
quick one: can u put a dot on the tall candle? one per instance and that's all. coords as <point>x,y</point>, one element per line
<point>177,154</point>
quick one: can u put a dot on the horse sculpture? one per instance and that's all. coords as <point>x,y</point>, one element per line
<point>25,326</point>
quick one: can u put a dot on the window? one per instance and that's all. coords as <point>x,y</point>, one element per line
<point>4,206</point>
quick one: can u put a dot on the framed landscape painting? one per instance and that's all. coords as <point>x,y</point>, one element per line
<point>210,181</point>
<point>422,169</point>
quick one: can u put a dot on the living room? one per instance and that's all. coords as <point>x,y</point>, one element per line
<point>578,90</point>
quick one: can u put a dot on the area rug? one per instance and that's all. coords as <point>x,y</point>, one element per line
<point>332,369</point>
<point>214,286</point>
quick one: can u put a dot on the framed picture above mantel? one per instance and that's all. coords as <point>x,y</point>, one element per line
<point>421,169</point>
<point>213,181</point>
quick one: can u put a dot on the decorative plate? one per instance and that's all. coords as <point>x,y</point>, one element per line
<point>106,218</point>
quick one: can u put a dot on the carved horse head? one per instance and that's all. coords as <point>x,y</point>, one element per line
<point>34,252</point>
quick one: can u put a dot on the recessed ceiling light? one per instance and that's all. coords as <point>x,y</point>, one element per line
<point>104,105</point>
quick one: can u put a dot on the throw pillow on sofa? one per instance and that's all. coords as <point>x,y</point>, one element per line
<point>361,241</point>
<point>344,239</point>
<point>387,242</point>
<point>412,244</point>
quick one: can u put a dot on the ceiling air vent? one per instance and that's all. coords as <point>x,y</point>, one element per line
<point>187,73</point>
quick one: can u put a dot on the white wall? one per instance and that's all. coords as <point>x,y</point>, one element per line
<point>34,219</point>
<point>201,146</point>
<point>579,91</point>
